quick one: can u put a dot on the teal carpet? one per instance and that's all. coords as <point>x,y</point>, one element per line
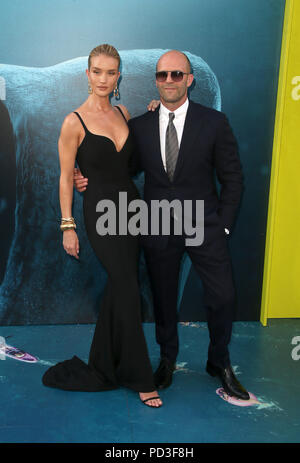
<point>192,411</point>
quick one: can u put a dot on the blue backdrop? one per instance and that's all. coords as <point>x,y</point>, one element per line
<point>236,42</point>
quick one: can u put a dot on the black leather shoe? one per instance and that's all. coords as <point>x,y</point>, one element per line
<point>230,384</point>
<point>164,373</point>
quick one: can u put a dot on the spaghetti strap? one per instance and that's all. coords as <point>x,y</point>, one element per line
<point>121,113</point>
<point>80,118</point>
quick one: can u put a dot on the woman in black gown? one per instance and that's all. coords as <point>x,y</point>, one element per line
<point>97,136</point>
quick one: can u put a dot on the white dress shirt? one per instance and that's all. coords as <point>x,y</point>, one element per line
<point>179,120</point>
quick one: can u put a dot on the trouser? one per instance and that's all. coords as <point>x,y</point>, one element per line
<point>211,261</point>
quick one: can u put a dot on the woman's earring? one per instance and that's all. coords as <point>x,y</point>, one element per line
<point>90,88</point>
<point>116,93</point>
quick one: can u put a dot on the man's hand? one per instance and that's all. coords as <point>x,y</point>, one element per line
<point>80,182</point>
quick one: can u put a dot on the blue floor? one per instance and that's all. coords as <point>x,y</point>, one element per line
<point>192,411</point>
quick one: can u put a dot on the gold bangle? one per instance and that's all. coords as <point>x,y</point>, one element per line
<point>67,223</point>
<point>67,227</point>
<point>69,219</point>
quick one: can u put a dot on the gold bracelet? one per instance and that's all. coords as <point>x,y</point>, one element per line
<point>67,223</point>
<point>68,219</point>
<point>67,227</point>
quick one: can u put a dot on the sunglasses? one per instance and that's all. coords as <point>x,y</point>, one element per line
<point>176,76</point>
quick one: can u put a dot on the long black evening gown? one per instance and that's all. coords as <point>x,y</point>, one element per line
<point>118,354</point>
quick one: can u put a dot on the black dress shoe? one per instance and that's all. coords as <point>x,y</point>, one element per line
<point>230,384</point>
<point>164,373</point>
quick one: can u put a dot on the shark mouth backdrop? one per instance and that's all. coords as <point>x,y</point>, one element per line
<point>234,47</point>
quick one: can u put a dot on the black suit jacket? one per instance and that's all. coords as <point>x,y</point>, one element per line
<point>208,147</point>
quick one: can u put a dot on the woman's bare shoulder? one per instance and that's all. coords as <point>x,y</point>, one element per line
<point>125,111</point>
<point>71,122</point>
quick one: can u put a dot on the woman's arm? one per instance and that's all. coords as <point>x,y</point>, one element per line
<point>67,149</point>
<point>153,105</point>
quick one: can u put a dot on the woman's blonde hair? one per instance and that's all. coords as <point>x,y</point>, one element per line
<point>104,49</point>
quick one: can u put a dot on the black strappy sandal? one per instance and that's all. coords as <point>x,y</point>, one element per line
<point>151,398</point>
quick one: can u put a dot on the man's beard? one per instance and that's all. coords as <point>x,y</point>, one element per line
<point>172,98</point>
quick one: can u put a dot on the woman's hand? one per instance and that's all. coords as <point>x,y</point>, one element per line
<point>153,105</point>
<point>71,242</point>
<point>80,182</point>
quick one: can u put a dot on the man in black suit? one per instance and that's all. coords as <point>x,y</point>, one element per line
<point>179,147</point>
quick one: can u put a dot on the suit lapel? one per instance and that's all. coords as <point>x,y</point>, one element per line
<point>190,133</point>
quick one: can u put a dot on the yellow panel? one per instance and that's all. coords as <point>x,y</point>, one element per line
<point>281,285</point>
